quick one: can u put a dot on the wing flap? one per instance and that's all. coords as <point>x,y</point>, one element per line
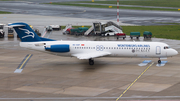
<point>91,55</point>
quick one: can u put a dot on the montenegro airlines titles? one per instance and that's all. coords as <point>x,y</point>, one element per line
<point>91,49</point>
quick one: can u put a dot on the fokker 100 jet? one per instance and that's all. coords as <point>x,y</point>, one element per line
<point>92,49</point>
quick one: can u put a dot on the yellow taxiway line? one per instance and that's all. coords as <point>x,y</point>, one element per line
<point>134,82</point>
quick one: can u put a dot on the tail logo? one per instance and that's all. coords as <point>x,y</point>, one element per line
<point>29,33</point>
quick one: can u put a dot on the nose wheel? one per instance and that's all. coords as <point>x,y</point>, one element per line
<point>91,62</point>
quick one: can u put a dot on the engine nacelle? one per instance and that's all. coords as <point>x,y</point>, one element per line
<point>58,48</point>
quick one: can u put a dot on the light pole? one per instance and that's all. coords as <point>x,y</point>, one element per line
<point>118,12</point>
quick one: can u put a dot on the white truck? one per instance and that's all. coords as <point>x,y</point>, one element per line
<point>112,30</point>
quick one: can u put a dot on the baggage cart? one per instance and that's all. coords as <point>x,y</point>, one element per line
<point>135,34</point>
<point>147,34</point>
<point>78,31</point>
<point>10,33</point>
<point>121,35</point>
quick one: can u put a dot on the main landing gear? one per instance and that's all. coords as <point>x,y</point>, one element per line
<point>91,62</point>
<point>159,61</point>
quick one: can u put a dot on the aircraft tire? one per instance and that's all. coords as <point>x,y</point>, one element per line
<point>159,61</point>
<point>91,62</point>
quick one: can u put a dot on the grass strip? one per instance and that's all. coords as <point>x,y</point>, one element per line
<point>3,12</point>
<point>163,31</point>
<point>158,3</point>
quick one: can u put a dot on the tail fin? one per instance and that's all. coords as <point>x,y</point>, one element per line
<point>26,34</point>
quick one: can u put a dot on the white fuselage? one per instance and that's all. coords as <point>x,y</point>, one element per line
<point>117,49</point>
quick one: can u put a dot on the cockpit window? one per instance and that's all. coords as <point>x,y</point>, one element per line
<point>166,47</point>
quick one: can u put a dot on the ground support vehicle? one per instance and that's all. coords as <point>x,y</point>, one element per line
<point>56,27</point>
<point>10,33</point>
<point>2,34</point>
<point>121,35</point>
<point>135,34</point>
<point>37,32</point>
<point>49,28</point>
<point>74,31</point>
<point>147,34</point>
<point>78,31</point>
<point>100,28</point>
<point>67,31</point>
<point>109,34</point>
<point>1,31</point>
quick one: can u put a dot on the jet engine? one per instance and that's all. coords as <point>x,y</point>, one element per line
<point>57,48</point>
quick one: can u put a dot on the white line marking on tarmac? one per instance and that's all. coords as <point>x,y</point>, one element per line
<point>145,62</point>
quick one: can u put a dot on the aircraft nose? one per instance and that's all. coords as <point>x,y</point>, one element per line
<point>174,52</point>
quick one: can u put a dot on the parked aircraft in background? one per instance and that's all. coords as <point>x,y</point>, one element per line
<point>92,49</point>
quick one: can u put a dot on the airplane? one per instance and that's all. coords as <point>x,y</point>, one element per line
<point>91,49</point>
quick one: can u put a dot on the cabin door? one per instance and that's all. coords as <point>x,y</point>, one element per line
<point>158,50</point>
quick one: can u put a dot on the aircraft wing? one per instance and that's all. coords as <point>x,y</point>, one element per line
<point>90,55</point>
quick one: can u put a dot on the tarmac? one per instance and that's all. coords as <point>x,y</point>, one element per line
<point>137,17</point>
<point>39,20</point>
<point>48,77</point>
